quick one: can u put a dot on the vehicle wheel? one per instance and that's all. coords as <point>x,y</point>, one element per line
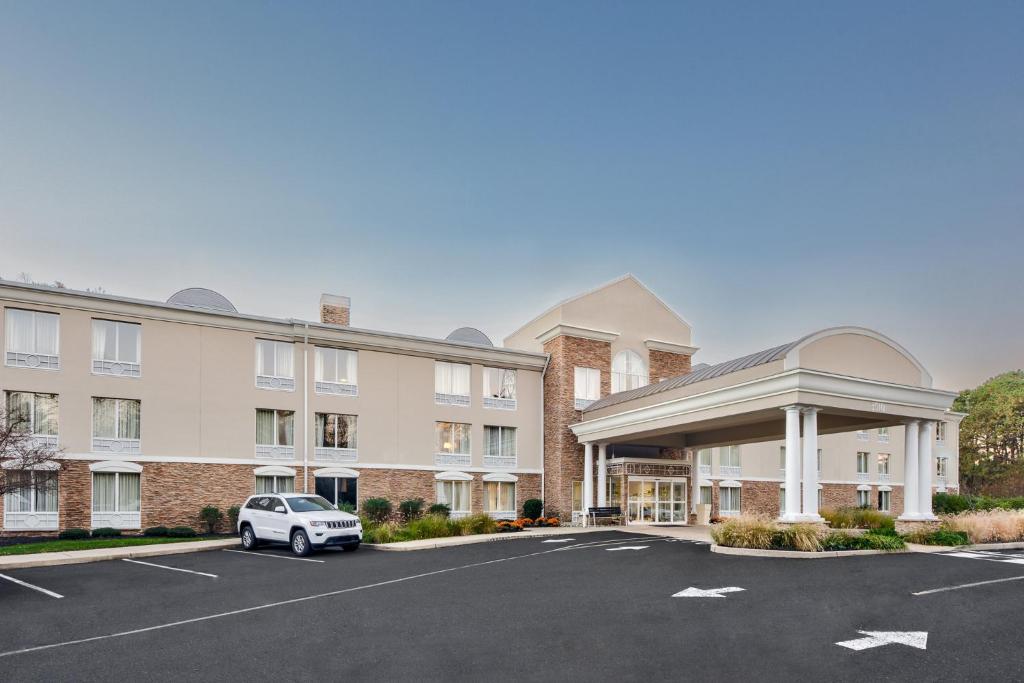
<point>300,543</point>
<point>249,540</point>
<point>350,547</point>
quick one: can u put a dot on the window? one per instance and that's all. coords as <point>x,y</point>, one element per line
<point>452,446</point>
<point>116,499</point>
<point>941,467</point>
<point>336,371</point>
<point>782,457</point>
<point>451,383</point>
<point>32,339</point>
<point>500,498</point>
<point>36,414</point>
<point>116,348</point>
<point>819,461</point>
<point>274,483</point>
<point>338,490</point>
<point>628,371</point>
<point>782,500</point>
<point>705,495</point>
<point>884,500</point>
<point>577,496</point>
<point>116,425</point>
<point>729,461</point>
<point>862,435</point>
<point>587,386</point>
<point>335,433</point>
<point>862,463</point>
<point>499,388</point>
<point>455,494</point>
<point>864,498</point>
<point>728,500</point>
<point>31,500</point>
<point>499,446</point>
<point>940,431</point>
<point>275,433</point>
<point>883,434</point>
<point>883,465</point>
<point>704,460</point>
<point>275,365</point>
<point>614,495</point>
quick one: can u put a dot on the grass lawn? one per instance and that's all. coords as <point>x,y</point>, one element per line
<point>87,544</point>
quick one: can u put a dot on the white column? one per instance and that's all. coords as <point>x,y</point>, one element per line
<point>695,478</point>
<point>925,468</point>
<point>811,465</point>
<point>792,511</point>
<point>602,476</point>
<point>588,476</point>
<point>910,467</point>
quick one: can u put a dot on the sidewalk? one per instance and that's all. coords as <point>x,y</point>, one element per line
<point>539,532</point>
<point>101,554</point>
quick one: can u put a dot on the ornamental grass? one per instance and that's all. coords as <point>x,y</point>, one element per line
<point>988,526</point>
<point>860,518</point>
<point>748,531</point>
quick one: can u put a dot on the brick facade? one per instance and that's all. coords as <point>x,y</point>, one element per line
<point>764,498</point>
<point>174,493</point>
<point>664,364</point>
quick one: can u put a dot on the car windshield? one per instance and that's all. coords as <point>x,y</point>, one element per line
<point>309,504</point>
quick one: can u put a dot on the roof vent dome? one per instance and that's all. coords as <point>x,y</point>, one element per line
<point>200,297</point>
<point>469,335</point>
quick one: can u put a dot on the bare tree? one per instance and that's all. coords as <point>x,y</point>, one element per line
<point>19,450</point>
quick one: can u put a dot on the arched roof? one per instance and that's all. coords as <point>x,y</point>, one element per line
<point>200,297</point>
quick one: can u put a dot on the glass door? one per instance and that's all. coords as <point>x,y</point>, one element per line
<point>656,501</point>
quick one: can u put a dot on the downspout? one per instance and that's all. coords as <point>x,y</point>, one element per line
<point>543,374</point>
<point>305,410</point>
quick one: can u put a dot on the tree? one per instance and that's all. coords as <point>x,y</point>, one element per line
<point>19,450</point>
<point>992,434</point>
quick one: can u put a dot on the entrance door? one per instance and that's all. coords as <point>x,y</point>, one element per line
<point>657,501</point>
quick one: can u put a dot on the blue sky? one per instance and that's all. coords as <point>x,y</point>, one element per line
<point>767,170</point>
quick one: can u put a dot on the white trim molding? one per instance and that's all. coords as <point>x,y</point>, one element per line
<point>274,471</point>
<point>19,465</point>
<point>792,360</point>
<point>863,487</point>
<point>500,476</point>
<point>670,347</point>
<point>339,472</point>
<point>730,484</point>
<point>115,466</point>
<point>453,476</point>
<point>561,330</point>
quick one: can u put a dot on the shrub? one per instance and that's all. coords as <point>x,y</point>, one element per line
<point>384,532</point>
<point>745,532</point>
<point>950,503</point>
<point>428,526</point>
<point>439,509</point>
<point>860,518</point>
<point>345,506</point>
<point>410,509</point>
<point>377,510</point>
<point>105,532</point>
<point>798,537</point>
<point>155,531</point>
<point>480,524</point>
<point>211,516</point>
<point>940,536</point>
<point>73,534</point>
<point>533,508</point>
<point>839,540</point>
<point>181,532</point>
<point>233,517</point>
<point>883,542</point>
<point>988,526</point>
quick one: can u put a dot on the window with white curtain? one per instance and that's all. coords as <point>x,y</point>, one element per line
<point>500,388</point>
<point>704,460</point>
<point>116,491</point>
<point>451,383</point>
<point>863,462</point>
<point>884,500</point>
<point>338,490</point>
<point>335,431</point>
<point>275,427</point>
<point>455,494</point>
<point>705,495</point>
<point>863,499</point>
<point>275,483</point>
<point>29,492</point>
<point>452,443</point>
<point>883,464</point>
<point>500,498</point>
<point>336,371</point>
<point>36,414</point>
<point>587,386</point>
<point>940,431</point>
<point>32,339</point>
<point>883,434</point>
<point>577,496</point>
<point>499,446</point>
<point>116,425</point>
<point>941,467</point>
<point>729,461</point>
<point>628,371</point>
<point>728,500</point>
<point>116,348</point>
<point>275,365</point>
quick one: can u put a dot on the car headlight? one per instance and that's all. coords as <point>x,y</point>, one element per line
<point>314,522</point>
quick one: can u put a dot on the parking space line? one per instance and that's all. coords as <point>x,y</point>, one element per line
<point>280,557</point>
<point>29,585</point>
<point>968,585</point>
<point>173,569</point>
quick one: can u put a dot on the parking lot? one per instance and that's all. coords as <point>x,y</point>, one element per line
<point>599,607</point>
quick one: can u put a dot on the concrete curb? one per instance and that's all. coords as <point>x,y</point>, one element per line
<point>919,548</point>
<point>103,554</point>
<point>450,541</point>
<point>798,554</point>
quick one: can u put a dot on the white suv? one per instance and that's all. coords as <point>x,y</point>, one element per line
<point>305,522</point>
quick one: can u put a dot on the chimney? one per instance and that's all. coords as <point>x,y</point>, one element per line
<point>334,309</point>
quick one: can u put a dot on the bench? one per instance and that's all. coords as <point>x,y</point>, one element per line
<point>610,512</point>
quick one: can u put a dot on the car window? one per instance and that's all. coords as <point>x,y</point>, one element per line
<point>253,504</point>
<point>273,503</point>
<point>309,504</point>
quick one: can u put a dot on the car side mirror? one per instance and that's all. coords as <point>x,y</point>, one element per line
<point>279,508</point>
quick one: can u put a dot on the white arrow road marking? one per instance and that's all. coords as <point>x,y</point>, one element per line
<point>692,592</point>
<point>628,547</point>
<point>918,639</point>
<point>558,540</point>
<point>29,585</point>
